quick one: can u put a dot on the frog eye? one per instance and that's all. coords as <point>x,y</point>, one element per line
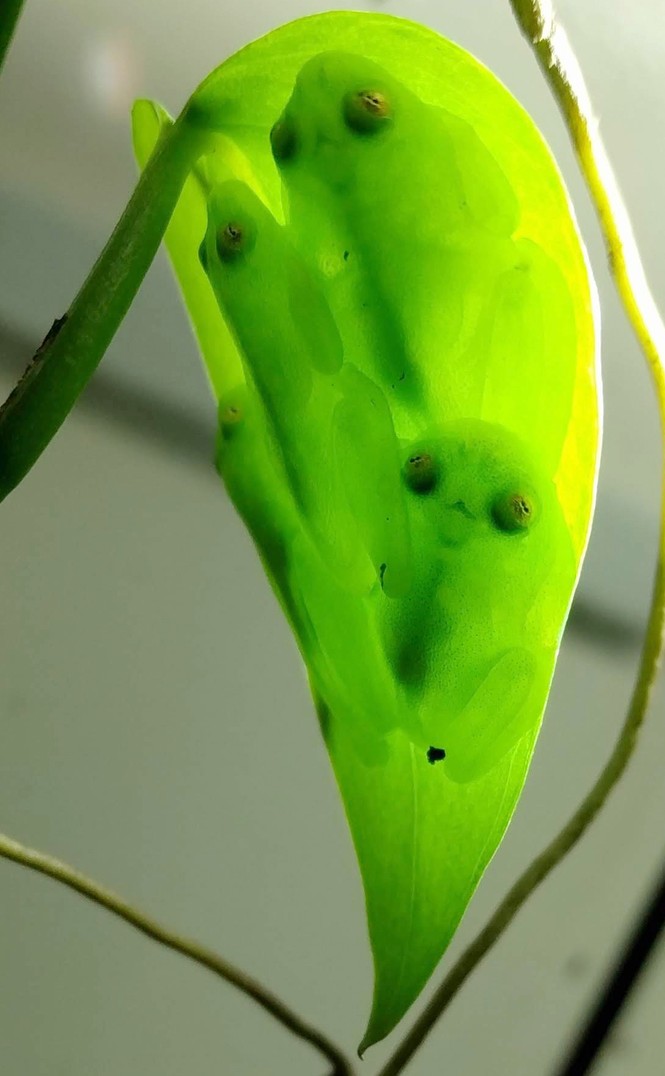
<point>514,512</point>
<point>367,112</point>
<point>231,419</point>
<point>230,415</point>
<point>234,239</point>
<point>420,472</point>
<point>284,140</point>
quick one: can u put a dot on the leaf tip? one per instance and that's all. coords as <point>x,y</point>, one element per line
<point>372,1035</point>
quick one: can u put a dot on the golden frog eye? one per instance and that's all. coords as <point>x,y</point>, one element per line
<point>367,112</point>
<point>231,421</point>
<point>420,472</point>
<point>514,512</point>
<point>234,239</point>
<point>230,415</point>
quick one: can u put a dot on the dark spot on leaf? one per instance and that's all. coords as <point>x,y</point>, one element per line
<point>435,754</point>
<point>346,255</point>
<point>382,572</point>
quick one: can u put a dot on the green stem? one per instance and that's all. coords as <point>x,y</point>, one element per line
<point>64,363</point>
<point>53,868</point>
<point>559,65</point>
<point>9,15</point>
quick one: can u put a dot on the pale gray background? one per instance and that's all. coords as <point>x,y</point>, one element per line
<point>156,728</point>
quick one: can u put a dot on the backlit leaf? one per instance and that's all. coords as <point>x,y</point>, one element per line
<point>382,267</point>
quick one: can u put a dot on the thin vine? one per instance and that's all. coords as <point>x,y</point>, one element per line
<point>201,954</point>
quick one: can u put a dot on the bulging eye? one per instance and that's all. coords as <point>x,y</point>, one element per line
<point>367,112</point>
<point>232,413</point>
<point>284,140</point>
<point>234,239</point>
<point>514,512</point>
<point>420,472</point>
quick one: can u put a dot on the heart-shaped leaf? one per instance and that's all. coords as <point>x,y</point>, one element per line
<point>385,276</point>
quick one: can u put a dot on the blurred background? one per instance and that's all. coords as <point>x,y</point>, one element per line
<point>156,726</point>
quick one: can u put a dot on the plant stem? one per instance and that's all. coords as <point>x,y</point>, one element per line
<point>9,15</point>
<point>560,67</point>
<point>53,868</point>
<point>69,355</point>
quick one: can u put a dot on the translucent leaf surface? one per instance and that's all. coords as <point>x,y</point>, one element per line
<point>396,314</point>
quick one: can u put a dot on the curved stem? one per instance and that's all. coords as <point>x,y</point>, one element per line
<point>9,16</point>
<point>558,62</point>
<point>61,872</point>
<point>71,351</point>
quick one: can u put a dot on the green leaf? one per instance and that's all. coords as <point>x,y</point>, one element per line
<point>414,442</point>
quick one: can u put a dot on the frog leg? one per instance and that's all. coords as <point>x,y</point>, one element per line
<point>498,714</point>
